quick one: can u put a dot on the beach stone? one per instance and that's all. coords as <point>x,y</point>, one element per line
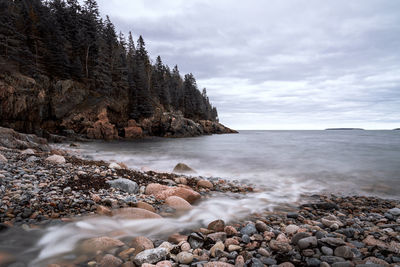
<point>371,241</point>
<point>185,246</point>
<point>187,194</point>
<point>292,215</point>
<point>57,159</point>
<point>218,246</point>
<point>291,229</point>
<point>166,245</point>
<point>234,248</point>
<point>332,259</point>
<point>164,264</point>
<point>279,246</point>
<point>151,256</point>
<point>125,254</point>
<point>2,158</point>
<point>102,210</point>
<point>230,230</point>
<point>307,242</point>
<point>195,240</point>
<point>286,264</point>
<point>261,226</point>
<point>257,263</point>
<point>219,236</point>
<point>218,264</point>
<point>374,260</point>
<point>141,243</point>
<point>28,151</point>
<point>114,165</point>
<point>205,184</point>
<point>178,203</point>
<point>135,213</point>
<point>125,185</point>
<point>342,264</point>
<point>110,261</point>
<point>332,241</point>
<point>299,236</point>
<point>216,226</point>
<point>327,251</point>
<point>249,229</point>
<point>344,252</point>
<point>394,211</point>
<point>313,262</point>
<point>183,168</point>
<point>184,257</point>
<point>231,241</point>
<point>145,206</point>
<point>177,238</point>
<point>153,189</point>
<point>103,243</point>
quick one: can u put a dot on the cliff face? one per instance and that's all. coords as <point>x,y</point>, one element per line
<point>66,107</point>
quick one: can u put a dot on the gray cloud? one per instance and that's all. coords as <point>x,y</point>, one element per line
<point>279,64</point>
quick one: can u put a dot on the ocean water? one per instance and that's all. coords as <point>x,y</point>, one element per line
<point>283,162</point>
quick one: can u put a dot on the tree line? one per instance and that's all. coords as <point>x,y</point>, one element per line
<point>64,39</point>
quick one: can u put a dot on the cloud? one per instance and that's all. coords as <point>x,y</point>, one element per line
<point>279,64</point>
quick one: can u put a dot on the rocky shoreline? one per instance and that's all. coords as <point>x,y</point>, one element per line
<point>40,188</point>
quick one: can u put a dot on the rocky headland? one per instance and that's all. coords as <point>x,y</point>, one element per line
<point>40,187</point>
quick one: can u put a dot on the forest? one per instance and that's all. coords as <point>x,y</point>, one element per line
<point>63,39</point>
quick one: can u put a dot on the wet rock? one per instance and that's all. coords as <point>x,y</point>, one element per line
<point>154,188</point>
<point>291,229</point>
<point>125,254</point>
<point>219,236</point>
<point>141,243</point>
<point>151,256</point>
<point>298,236</point>
<point>332,259</point>
<point>313,262</point>
<point>164,264</point>
<point>135,213</point>
<point>145,206</point>
<point>205,184</point>
<point>178,203</point>
<point>124,185</point>
<point>114,165</point>
<point>292,215</point>
<point>394,211</point>
<point>183,168</point>
<point>344,252</point>
<point>184,257</point>
<point>249,229</point>
<point>196,240</point>
<point>56,159</point>
<point>12,139</point>
<point>261,226</point>
<point>103,243</point>
<point>110,261</point>
<point>177,238</point>
<point>327,251</point>
<point>307,242</point>
<point>216,226</point>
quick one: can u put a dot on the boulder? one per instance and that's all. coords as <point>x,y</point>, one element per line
<point>187,194</point>
<point>177,203</point>
<point>133,132</point>
<point>14,140</point>
<point>125,185</point>
<point>102,128</point>
<point>205,184</point>
<point>135,214</point>
<point>103,243</point>
<point>153,189</point>
<point>183,168</point>
<point>141,243</point>
<point>56,159</point>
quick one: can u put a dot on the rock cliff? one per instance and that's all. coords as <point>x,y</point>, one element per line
<point>70,108</point>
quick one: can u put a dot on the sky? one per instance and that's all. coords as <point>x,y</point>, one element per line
<point>273,64</point>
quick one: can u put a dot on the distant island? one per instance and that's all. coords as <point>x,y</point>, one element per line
<point>330,129</point>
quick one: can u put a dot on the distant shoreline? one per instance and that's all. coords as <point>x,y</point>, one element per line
<point>346,129</point>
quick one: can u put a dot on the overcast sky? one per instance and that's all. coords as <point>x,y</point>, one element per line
<point>294,64</point>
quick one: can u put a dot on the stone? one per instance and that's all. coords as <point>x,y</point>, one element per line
<point>205,184</point>
<point>291,229</point>
<point>298,236</point>
<point>217,264</point>
<point>372,241</point>
<point>239,262</point>
<point>114,165</point>
<point>125,254</point>
<point>230,230</point>
<point>218,246</point>
<point>151,256</point>
<point>327,251</point>
<point>344,252</point>
<point>375,260</point>
<point>14,140</point>
<point>183,168</point>
<point>216,226</point>
<point>28,151</point>
<point>332,259</point>
<point>125,185</point>
<point>177,238</point>
<point>218,236</point>
<point>307,242</point>
<point>231,241</point>
<point>102,210</point>
<point>135,213</point>
<point>145,206</point>
<point>280,246</point>
<point>195,240</point>
<point>261,226</point>
<point>234,248</point>
<point>103,243</point>
<point>110,261</point>
<point>286,264</point>
<point>56,159</point>
<point>133,132</point>
<point>313,262</point>
<point>141,243</point>
<point>342,264</point>
<point>184,257</point>
<point>153,189</point>
<point>187,194</point>
<point>292,215</point>
<point>332,241</point>
<point>394,211</point>
<point>185,246</point>
<point>167,246</point>
<point>178,203</point>
<point>249,229</point>
<point>164,264</point>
